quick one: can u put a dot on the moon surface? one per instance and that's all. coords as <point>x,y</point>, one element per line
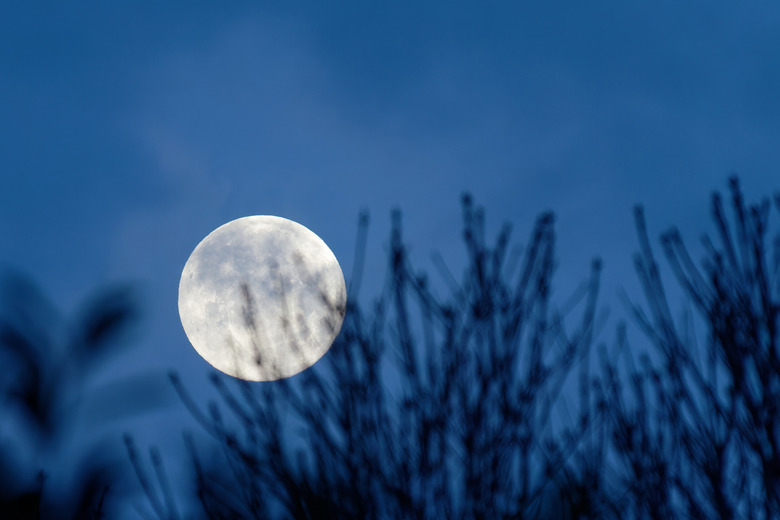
<point>262,298</point>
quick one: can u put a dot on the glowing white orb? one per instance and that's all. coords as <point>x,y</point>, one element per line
<point>262,298</point>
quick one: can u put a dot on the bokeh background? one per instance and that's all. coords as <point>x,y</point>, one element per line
<point>130,130</point>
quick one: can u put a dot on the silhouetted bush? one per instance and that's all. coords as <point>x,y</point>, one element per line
<point>425,407</point>
<point>46,363</point>
<point>446,398</point>
<point>431,406</point>
<point>697,431</point>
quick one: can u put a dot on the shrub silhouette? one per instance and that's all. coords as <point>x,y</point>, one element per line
<point>432,406</point>
<point>698,433</point>
<point>45,372</point>
<point>425,407</point>
<point>471,398</point>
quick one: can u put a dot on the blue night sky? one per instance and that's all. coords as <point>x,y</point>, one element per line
<point>130,130</point>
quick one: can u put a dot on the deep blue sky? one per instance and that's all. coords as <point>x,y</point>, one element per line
<point>130,130</point>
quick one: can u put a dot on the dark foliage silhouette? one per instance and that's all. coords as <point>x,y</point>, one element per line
<point>697,428</point>
<point>426,406</point>
<point>472,398</point>
<point>444,406</point>
<point>46,362</point>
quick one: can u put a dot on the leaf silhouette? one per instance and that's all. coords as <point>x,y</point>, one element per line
<point>105,321</point>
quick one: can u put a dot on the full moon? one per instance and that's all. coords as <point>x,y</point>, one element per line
<point>262,298</point>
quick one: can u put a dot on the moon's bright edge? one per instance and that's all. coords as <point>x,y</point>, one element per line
<point>262,298</point>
